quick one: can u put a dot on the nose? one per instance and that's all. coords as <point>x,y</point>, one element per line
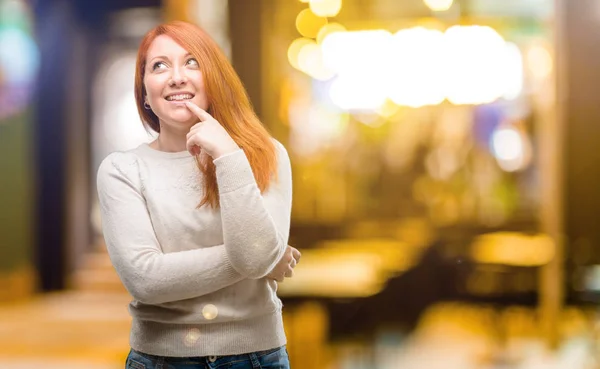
<point>178,77</point>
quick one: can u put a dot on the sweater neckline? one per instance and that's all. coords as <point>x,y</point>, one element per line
<point>146,149</point>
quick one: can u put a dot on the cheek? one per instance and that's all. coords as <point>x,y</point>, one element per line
<point>202,99</point>
<point>153,88</point>
<point>201,96</point>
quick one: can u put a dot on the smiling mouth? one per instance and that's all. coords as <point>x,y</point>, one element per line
<point>179,97</point>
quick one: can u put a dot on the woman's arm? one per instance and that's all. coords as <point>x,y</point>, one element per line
<point>255,227</point>
<point>149,275</point>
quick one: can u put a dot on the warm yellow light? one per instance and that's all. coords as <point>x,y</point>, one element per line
<point>513,71</point>
<point>388,109</point>
<point>513,249</point>
<point>415,67</point>
<point>309,24</point>
<point>358,93</point>
<point>308,57</point>
<point>294,51</point>
<point>475,61</point>
<point>539,62</point>
<point>304,1</point>
<point>334,276</point>
<point>328,29</point>
<point>310,60</point>
<point>357,51</point>
<point>326,8</point>
<point>360,61</point>
<point>438,5</point>
<point>314,127</point>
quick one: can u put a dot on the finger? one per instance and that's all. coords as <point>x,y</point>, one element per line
<point>189,144</point>
<point>199,112</point>
<point>297,254</point>
<point>194,131</point>
<point>289,273</point>
<point>192,147</point>
<point>190,133</point>
<point>196,126</point>
<point>275,276</point>
<point>293,263</point>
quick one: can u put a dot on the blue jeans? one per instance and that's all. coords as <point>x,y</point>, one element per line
<point>276,358</point>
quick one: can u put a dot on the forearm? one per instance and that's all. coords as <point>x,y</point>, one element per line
<point>153,277</point>
<point>252,240</point>
<point>255,225</point>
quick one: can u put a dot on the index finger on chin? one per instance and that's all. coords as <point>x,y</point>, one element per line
<point>198,111</point>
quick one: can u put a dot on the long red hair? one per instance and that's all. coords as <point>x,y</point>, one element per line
<point>228,104</point>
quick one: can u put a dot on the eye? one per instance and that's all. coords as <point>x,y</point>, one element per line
<point>158,65</point>
<point>192,62</point>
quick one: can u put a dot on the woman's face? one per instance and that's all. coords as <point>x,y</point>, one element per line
<point>173,76</point>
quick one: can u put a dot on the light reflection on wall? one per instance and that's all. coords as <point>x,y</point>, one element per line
<point>116,125</point>
<point>19,57</point>
<point>212,16</point>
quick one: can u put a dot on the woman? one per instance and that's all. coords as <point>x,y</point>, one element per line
<point>197,222</point>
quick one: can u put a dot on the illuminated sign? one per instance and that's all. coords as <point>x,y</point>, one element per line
<point>19,57</point>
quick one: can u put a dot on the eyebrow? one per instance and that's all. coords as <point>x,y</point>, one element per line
<point>166,58</point>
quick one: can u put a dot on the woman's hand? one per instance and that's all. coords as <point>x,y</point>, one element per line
<point>208,135</point>
<point>285,266</point>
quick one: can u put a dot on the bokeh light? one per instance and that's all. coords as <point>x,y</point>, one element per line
<point>210,311</point>
<point>191,337</point>
<point>415,70</point>
<point>294,51</point>
<point>328,29</point>
<point>19,57</point>
<point>438,5</point>
<point>326,8</point>
<point>309,24</point>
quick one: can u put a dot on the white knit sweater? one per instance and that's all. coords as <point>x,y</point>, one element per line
<point>197,276</point>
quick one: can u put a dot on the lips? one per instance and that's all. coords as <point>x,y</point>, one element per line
<point>180,96</point>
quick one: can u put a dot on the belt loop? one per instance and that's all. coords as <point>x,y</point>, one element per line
<point>254,361</point>
<point>160,362</point>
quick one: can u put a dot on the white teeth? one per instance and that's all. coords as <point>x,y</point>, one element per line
<point>179,97</point>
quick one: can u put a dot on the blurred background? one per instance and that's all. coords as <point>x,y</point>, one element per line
<point>445,161</point>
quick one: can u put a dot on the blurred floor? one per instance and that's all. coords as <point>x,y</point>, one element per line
<point>79,329</point>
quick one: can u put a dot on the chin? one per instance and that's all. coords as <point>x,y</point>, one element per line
<point>184,118</point>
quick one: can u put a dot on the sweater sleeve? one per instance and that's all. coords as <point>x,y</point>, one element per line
<point>255,226</point>
<point>148,274</point>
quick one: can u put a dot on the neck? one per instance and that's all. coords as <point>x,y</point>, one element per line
<point>170,141</point>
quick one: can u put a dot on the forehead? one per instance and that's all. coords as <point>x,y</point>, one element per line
<point>164,45</point>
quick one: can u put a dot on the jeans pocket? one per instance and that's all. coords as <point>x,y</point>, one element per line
<point>276,359</point>
<point>135,360</point>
